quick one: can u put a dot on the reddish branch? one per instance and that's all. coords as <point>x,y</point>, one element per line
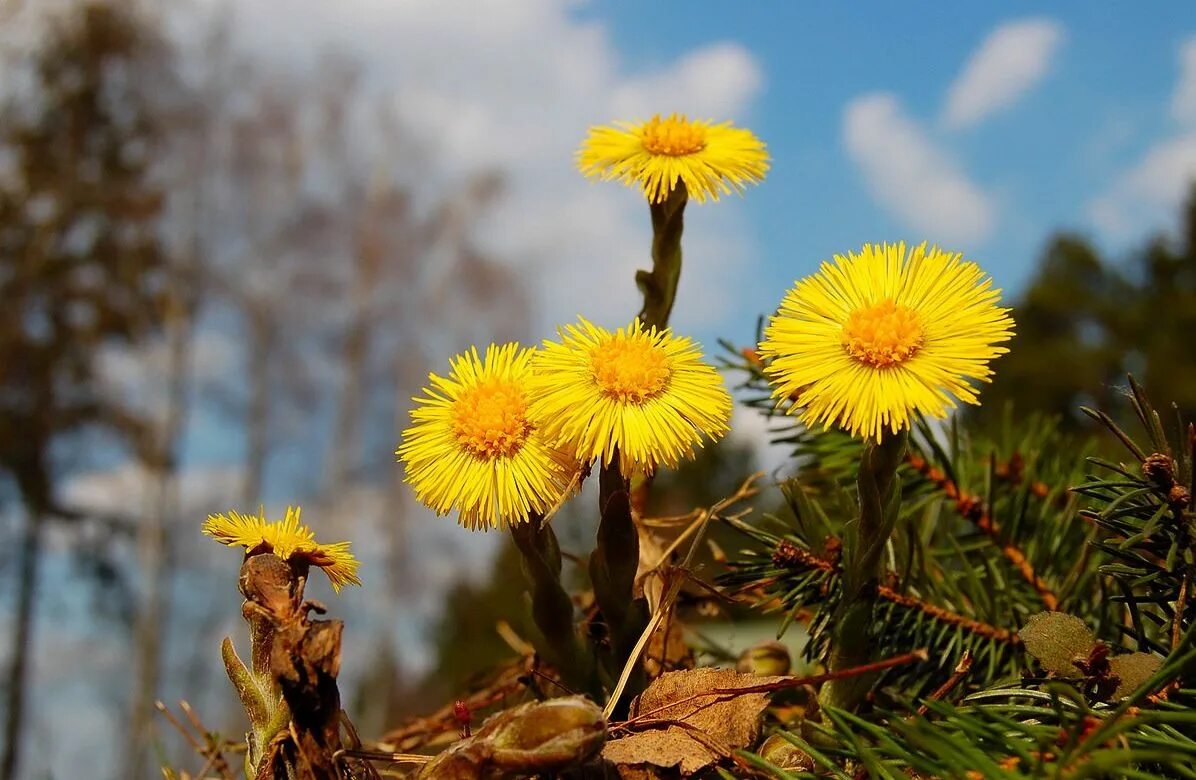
<point>790,556</point>
<point>417,732</point>
<point>1013,471</point>
<point>973,508</point>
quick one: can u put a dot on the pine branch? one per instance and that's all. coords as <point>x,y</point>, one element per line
<point>975,510</point>
<point>791,556</point>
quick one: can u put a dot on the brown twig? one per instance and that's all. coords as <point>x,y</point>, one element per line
<point>947,616</point>
<point>209,749</point>
<point>418,731</point>
<point>974,509</point>
<point>1013,471</point>
<point>961,671</point>
<point>780,685</point>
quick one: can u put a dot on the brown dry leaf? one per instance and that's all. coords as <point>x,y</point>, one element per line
<point>667,650</point>
<point>1057,639</point>
<point>714,724</point>
<point>1133,669</point>
<point>670,748</point>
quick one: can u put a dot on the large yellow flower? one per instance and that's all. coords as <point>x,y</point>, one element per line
<point>645,394</point>
<point>472,446</point>
<point>877,337</point>
<point>286,538</point>
<point>654,155</point>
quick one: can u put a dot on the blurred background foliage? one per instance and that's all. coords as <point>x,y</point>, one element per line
<point>155,220</point>
<point>1084,321</point>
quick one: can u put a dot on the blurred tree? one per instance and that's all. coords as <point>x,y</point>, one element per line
<point>80,268</point>
<point>1084,322</point>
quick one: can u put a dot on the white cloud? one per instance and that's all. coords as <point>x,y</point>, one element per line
<point>1012,60</point>
<point>1147,194</point>
<point>1183,101</point>
<point>912,177</point>
<point>514,87</point>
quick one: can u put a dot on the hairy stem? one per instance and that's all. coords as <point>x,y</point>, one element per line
<point>552,609</point>
<point>659,285</point>
<point>879,490</point>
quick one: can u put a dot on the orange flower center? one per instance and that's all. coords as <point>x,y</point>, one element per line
<point>490,419</point>
<point>630,370</point>
<point>675,136</point>
<point>883,334</point>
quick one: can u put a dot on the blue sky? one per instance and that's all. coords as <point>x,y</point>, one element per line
<point>885,120</point>
<point>1101,103</point>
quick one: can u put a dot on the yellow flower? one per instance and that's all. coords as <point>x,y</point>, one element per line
<point>286,538</point>
<point>472,446</point>
<point>710,159</point>
<point>645,394</point>
<point>880,336</point>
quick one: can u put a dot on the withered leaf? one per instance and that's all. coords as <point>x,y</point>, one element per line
<point>688,727</point>
<point>1057,639</point>
<point>1133,669</point>
<point>669,748</point>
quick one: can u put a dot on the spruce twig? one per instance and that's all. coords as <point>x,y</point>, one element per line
<point>974,509</point>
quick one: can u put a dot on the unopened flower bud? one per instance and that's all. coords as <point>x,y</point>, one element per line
<point>545,736</point>
<point>783,754</point>
<point>766,659</point>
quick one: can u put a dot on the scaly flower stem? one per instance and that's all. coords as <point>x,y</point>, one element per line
<point>613,567</point>
<point>552,609</point>
<point>659,285</point>
<point>863,548</point>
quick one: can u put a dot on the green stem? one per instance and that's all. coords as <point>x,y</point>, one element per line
<point>863,549</point>
<point>613,566</point>
<point>552,609</point>
<point>659,285</point>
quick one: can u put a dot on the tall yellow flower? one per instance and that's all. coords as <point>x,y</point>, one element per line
<point>286,538</point>
<point>472,446</point>
<point>711,159</point>
<point>879,336</point>
<point>645,394</point>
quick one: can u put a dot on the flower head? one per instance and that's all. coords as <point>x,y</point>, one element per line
<point>473,447</point>
<point>645,394</point>
<point>286,538</point>
<point>883,335</point>
<point>710,159</point>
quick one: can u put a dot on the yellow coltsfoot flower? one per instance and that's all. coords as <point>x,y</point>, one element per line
<point>880,336</point>
<point>286,538</point>
<point>472,447</point>
<point>710,159</point>
<point>645,394</point>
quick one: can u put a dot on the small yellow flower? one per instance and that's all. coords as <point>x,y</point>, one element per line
<point>286,538</point>
<point>645,394</point>
<point>710,159</point>
<point>880,336</point>
<point>472,446</point>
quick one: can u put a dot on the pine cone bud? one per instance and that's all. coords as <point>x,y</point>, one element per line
<point>1159,469</point>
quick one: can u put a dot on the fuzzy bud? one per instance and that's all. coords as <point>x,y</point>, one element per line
<point>766,659</point>
<point>783,754</point>
<point>545,736</point>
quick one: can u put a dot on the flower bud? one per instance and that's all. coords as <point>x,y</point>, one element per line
<point>545,736</point>
<point>766,659</point>
<point>783,754</point>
